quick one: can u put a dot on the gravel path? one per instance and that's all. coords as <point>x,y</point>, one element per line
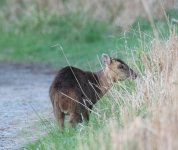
<point>23,98</point>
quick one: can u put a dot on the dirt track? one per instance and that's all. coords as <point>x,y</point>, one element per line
<point>23,98</point>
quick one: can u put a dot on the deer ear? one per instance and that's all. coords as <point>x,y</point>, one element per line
<point>106,59</point>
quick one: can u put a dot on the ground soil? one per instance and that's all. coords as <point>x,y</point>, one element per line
<point>24,103</point>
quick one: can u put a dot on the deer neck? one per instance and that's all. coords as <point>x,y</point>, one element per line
<point>105,80</point>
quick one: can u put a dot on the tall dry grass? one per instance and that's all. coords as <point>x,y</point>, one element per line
<point>119,12</point>
<point>149,116</point>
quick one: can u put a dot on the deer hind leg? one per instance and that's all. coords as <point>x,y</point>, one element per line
<point>85,116</point>
<point>74,119</point>
<point>59,115</point>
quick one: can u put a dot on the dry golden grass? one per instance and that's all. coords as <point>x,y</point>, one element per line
<point>157,92</point>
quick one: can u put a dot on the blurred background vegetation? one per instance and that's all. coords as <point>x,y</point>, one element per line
<point>45,31</point>
<point>36,30</point>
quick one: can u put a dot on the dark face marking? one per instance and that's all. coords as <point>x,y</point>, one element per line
<point>124,71</point>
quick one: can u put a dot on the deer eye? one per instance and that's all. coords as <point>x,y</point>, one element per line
<point>121,66</point>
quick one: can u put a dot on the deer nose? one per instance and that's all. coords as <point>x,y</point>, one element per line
<point>134,76</point>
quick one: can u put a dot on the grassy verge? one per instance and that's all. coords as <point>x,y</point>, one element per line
<point>132,117</point>
<point>140,115</point>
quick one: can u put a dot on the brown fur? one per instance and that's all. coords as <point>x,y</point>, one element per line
<point>74,91</point>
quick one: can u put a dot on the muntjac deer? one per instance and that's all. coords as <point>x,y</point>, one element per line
<point>74,91</point>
